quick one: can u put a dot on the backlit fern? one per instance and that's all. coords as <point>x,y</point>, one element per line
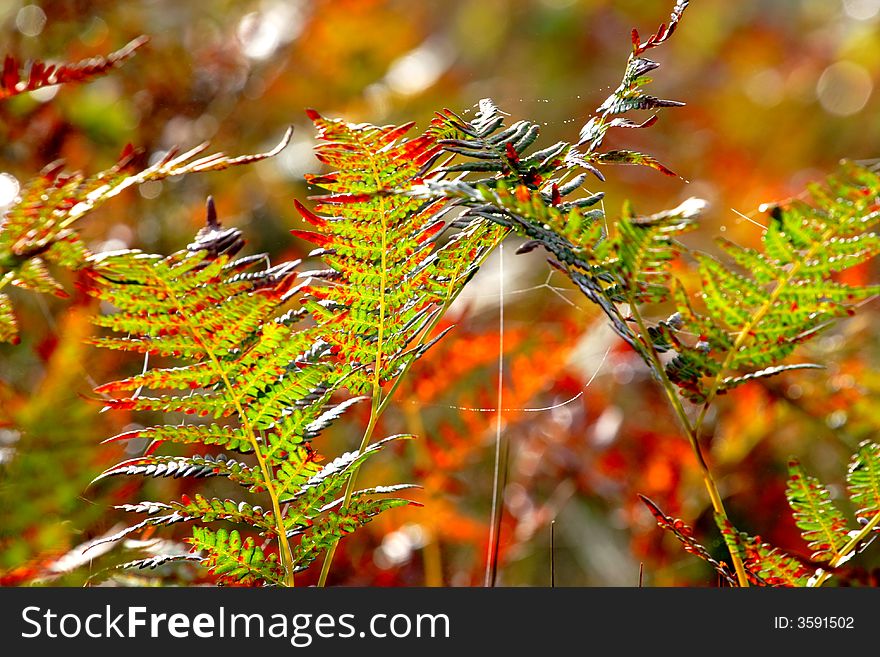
<point>39,228</point>
<point>388,283</point>
<point>263,358</point>
<point>244,360</point>
<point>754,311</point>
<point>823,526</point>
<point>756,314</point>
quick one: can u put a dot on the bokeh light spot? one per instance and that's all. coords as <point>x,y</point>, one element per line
<point>30,20</point>
<point>844,88</point>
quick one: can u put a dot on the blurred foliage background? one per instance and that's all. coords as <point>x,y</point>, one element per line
<point>777,92</point>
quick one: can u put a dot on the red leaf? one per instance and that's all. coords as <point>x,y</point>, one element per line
<point>309,216</point>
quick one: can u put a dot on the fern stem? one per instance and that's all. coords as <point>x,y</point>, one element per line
<point>845,551</point>
<point>375,412</point>
<point>379,403</point>
<point>690,430</point>
<point>497,488</point>
<point>283,543</point>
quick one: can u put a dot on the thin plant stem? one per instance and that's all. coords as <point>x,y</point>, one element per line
<point>495,517</point>
<point>847,549</point>
<point>501,484</point>
<point>690,431</point>
<point>256,445</point>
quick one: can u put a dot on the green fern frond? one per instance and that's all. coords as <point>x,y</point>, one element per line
<point>229,438</point>
<point>377,242</point>
<point>821,523</point>
<point>786,293</point>
<point>241,355</point>
<point>388,281</point>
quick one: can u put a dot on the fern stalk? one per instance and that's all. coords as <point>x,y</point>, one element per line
<point>280,530</point>
<point>379,404</point>
<point>846,551</point>
<point>692,432</point>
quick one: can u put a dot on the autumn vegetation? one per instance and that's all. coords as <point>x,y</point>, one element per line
<point>488,346</point>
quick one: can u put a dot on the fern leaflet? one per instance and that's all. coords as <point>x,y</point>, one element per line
<point>17,79</point>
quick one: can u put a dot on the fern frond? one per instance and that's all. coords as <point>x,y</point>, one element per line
<point>386,278</point>
<point>764,564</point>
<point>786,293</point>
<point>527,192</point>
<point>629,96</point>
<point>821,523</point>
<point>38,228</point>
<point>230,438</point>
<point>388,282</point>
<point>17,79</point>
<point>243,357</point>
<point>487,146</point>
<point>685,535</point>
